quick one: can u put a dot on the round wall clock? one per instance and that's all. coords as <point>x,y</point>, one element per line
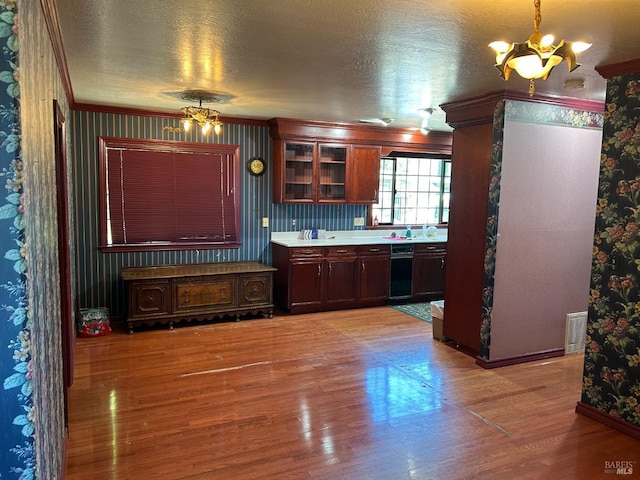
<point>256,166</point>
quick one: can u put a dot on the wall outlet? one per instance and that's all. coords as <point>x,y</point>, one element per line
<point>358,221</point>
<point>265,222</point>
<point>293,222</point>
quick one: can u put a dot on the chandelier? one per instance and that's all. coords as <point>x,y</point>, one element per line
<point>537,56</point>
<point>206,118</point>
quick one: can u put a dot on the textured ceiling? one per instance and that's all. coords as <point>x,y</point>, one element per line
<point>326,60</point>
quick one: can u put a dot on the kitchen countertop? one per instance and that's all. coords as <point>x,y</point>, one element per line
<point>357,237</point>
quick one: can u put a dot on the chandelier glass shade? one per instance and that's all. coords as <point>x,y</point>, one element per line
<point>536,57</point>
<point>206,118</point>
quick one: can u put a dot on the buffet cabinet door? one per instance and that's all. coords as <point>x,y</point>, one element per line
<point>151,297</point>
<point>255,289</point>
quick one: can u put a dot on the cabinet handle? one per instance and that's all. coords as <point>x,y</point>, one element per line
<point>363,267</point>
<point>442,263</point>
<point>341,251</point>
<point>330,268</point>
<point>374,249</point>
<point>319,269</point>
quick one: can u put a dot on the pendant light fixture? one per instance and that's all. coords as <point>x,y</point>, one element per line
<point>536,57</point>
<point>425,113</point>
<point>206,118</point>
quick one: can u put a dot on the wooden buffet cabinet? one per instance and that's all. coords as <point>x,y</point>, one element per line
<point>171,293</point>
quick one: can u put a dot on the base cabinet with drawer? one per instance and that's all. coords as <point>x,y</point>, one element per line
<point>340,279</point>
<point>374,264</point>
<point>312,279</point>
<point>429,265</point>
<point>306,285</point>
<point>171,293</point>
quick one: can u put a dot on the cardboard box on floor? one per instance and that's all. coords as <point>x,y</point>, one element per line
<point>437,319</point>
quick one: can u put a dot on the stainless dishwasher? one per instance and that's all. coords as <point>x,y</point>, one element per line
<point>401,271</point>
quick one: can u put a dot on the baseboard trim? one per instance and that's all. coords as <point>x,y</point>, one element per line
<point>608,420</point>
<point>530,357</point>
<point>461,348</point>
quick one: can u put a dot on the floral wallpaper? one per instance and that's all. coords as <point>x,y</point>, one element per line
<point>17,459</point>
<point>611,380</point>
<point>492,229</point>
<point>516,111</point>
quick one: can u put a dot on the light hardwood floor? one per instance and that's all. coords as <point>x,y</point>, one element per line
<point>358,394</point>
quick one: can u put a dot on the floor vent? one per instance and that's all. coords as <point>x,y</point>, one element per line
<point>576,331</point>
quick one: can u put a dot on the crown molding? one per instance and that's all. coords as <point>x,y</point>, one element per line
<point>618,69</point>
<point>478,110</point>
<point>395,138</point>
<point>53,26</point>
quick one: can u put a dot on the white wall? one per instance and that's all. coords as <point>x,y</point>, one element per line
<point>545,235</point>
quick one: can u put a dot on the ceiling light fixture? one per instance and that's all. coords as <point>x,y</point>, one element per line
<point>537,56</point>
<point>385,122</point>
<point>426,115</point>
<point>206,118</point>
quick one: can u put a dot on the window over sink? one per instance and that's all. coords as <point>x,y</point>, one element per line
<point>414,190</point>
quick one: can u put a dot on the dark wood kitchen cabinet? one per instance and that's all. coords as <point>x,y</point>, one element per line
<point>305,278</point>
<point>363,174</point>
<point>309,172</point>
<point>374,264</point>
<point>310,279</point>
<point>295,171</point>
<point>340,276</point>
<point>428,272</point>
<point>321,162</point>
<point>172,293</point>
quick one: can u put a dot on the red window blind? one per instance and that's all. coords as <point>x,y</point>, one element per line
<point>169,194</point>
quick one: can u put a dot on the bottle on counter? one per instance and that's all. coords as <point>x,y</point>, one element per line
<point>424,230</point>
<point>375,221</point>
<point>408,231</point>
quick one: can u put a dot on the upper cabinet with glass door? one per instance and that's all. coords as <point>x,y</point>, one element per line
<point>309,172</point>
<point>321,162</point>
<point>298,175</point>
<point>332,175</point>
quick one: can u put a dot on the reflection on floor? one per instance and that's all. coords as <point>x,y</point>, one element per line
<point>360,394</point>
